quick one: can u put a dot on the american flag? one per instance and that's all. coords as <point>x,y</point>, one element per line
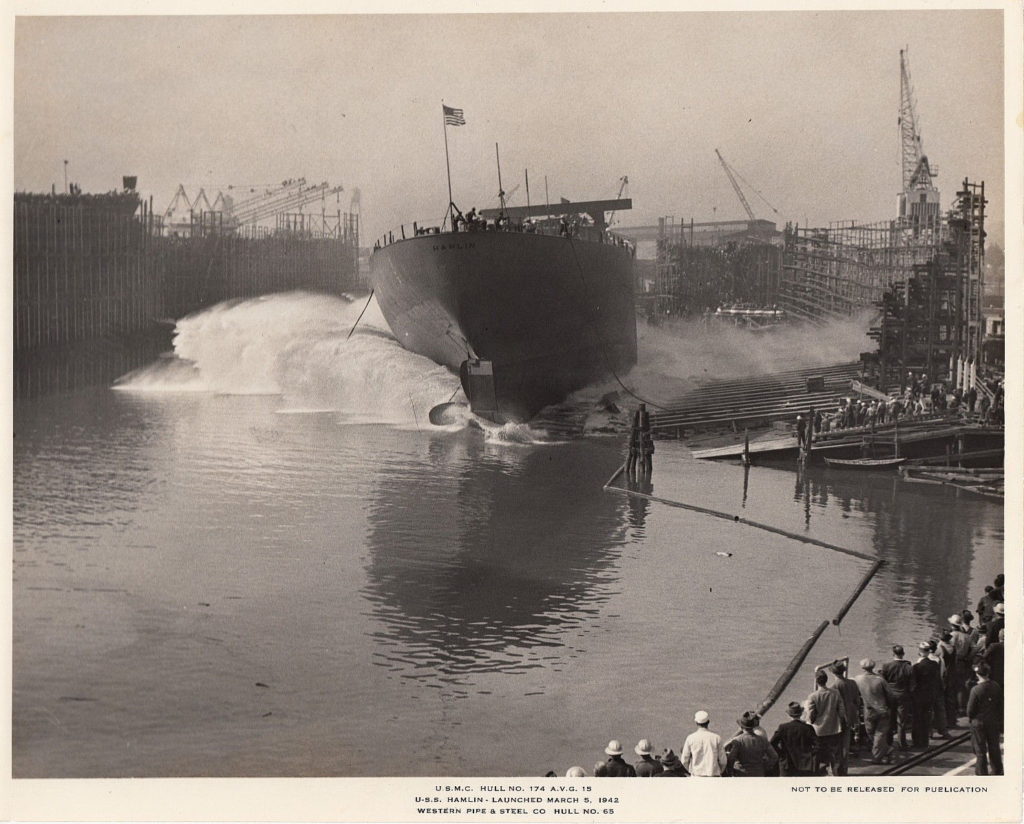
<point>453,117</point>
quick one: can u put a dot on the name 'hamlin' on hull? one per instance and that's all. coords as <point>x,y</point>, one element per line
<point>525,311</point>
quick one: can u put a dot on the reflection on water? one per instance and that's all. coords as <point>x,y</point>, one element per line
<point>485,556</point>
<point>182,547</point>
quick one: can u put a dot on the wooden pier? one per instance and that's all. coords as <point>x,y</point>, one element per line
<point>943,440</point>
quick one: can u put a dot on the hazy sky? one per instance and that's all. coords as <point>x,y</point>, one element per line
<point>803,104</point>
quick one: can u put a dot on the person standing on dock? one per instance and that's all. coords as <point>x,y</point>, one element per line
<point>985,714</point>
<point>795,742</point>
<point>927,694</point>
<point>703,755</point>
<point>801,434</point>
<point>850,694</point>
<point>634,446</point>
<point>748,755</point>
<point>647,766</point>
<point>940,713</point>
<point>877,702</point>
<point>898,674</point>
<point>671,766</point>
<point>616,767</point>
<point>646,441</point>
<point>994,656</point>
<point>827,714</point>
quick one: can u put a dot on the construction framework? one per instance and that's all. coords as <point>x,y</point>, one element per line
<point>926,274</point>
<point>696,274</point>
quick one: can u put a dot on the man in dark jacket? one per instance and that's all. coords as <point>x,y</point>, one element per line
<point>646,767</point>
<point>994,658</point>
<point>749,755</point>
<point>996,624</point>
<point>795,743</point>
<point>615,767</point>
<point>898,674</point>
<point>985,714</point>
<point>671,766</point>
<point>926,695</point>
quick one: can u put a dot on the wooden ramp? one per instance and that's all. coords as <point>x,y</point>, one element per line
<point>757,399</point>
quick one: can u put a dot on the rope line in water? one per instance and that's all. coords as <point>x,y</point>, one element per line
<point>745,521</point>
<point>354,325</point>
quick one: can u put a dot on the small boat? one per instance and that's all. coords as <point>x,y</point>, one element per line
<point>864,463</point>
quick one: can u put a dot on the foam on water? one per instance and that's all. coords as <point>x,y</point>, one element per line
<point>296,346</point>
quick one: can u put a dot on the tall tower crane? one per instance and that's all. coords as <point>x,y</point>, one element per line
<point>919,198</point>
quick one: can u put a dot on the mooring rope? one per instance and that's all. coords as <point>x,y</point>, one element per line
<point>354,325</point>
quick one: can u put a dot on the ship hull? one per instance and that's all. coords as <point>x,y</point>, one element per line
<point>550,314</point>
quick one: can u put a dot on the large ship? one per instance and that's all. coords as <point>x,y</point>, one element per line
<point>527,304</point>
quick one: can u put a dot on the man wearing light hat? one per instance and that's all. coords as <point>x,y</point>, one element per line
<point>878,699</point>
<point>647,766</point>
<point>926,695</point>
<point>703,755</point>
<point>615,766</point>
<point>992,635</point>
<point>963,653</point>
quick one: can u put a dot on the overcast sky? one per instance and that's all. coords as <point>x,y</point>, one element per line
<point>803,104</point>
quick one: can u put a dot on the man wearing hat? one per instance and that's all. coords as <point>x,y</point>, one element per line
<point>850,694</point>
<point>899,675</point>
<point>795,741</point>
<point>703,755</point>
<point>615,766</point>
<point>999,610</point>
<point>748,755</point>
<point>994,657</point>
<point>671,766</point>
<point>826,712</point>
<point>963,652</point>
<point>878,700</point>
<point>646,767</point>
<point>939,651</point>
<point>985,714</point>
<point>926,695</point>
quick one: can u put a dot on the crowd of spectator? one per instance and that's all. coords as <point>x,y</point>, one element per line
<point>898,706</point>
<point>919,401</point>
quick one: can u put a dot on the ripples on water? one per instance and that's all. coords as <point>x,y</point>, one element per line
<point>258,559</point>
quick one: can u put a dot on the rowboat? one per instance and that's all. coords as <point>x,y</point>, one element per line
<point>864,463</point>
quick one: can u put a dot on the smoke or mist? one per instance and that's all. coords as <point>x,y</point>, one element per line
<point>678,355</point>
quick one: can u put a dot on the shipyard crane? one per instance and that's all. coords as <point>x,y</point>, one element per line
<point>623,183</point>
<point>735,186</point>
<point>917,172</point>
<point>732,174</point>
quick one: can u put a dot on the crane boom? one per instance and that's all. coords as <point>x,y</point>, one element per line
<point>735,186</point>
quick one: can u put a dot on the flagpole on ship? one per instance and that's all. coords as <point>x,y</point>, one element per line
<point>447,166</point>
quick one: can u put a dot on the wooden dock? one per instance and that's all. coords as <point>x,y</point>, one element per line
<point>954,442</point>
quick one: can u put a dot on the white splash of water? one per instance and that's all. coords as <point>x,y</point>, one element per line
<point>296,345</point>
